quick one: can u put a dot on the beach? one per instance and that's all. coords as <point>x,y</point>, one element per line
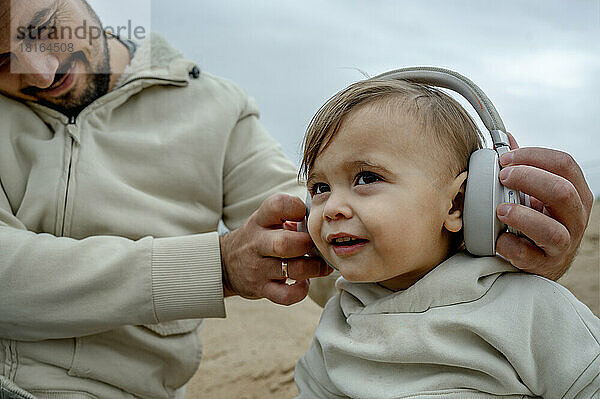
<point>252,353</point>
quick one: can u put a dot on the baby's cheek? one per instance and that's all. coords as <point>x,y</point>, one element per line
<point>399,240</point>
<point>314,228</point>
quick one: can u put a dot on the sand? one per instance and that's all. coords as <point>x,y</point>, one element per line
<point>252,353</point>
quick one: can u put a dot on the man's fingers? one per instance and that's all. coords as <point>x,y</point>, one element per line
<point>555,162</point>
<point>283,294</point>
<point>302,268</point>
<point>548,234</point>
<point>521,252</point>
<point>512,142</point>
<point>307,267</point>
<point>536,204</point>
<point>278,208</point>
<point>559,196</point>
<point>284,244</point>
<point>292,226</point>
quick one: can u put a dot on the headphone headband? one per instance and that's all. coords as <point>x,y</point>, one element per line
<point>462,85</point>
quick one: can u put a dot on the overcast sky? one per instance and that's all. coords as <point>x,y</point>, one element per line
<point>538,61</point>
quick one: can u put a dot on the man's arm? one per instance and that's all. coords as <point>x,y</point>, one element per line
<point>255,168</point>
<point>58,287</point>
<point>561,206</point>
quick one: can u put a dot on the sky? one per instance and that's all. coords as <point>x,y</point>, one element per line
<point>538,61</point>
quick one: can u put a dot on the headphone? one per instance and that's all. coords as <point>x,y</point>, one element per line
<point>483,191</point>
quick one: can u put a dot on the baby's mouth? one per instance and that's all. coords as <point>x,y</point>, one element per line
<point>347,241</point>
<point>344,244</point>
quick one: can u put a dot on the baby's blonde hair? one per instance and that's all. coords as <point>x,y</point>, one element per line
<point>453,134</point>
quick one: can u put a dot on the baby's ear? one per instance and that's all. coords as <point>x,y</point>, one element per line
<point>453,221</point>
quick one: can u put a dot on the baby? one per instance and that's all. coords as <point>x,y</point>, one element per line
<point>415,316</point>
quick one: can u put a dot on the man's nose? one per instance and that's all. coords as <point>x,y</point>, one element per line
<point>337,207</point>
<point>38,69</point>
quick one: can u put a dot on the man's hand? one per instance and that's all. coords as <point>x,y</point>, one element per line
<point>251,255</point>
<point>561,202</point>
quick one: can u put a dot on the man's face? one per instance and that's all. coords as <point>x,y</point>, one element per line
<point>45,59</point>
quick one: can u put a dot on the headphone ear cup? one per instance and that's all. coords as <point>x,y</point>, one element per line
<point>483,194</point>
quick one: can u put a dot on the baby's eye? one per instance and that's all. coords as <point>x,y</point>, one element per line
<point>367,178</point>
<point>319,188</point>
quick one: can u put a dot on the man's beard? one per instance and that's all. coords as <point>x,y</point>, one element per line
<point>96,85</point>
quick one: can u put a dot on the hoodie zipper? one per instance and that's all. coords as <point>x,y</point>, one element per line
<point>71,125</point>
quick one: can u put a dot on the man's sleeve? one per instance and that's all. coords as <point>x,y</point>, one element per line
<point>255,168</point>
<point>56,287</point>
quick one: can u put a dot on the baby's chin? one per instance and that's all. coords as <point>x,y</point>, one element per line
<point>354,276</point>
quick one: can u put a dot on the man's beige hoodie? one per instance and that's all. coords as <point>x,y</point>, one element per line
<point>107,228</point>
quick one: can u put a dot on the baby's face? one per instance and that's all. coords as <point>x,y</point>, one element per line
<point>375,213</point>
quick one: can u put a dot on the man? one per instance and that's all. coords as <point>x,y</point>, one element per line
<point>115,172</point>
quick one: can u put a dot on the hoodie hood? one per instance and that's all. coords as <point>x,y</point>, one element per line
<point>155,57</point>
